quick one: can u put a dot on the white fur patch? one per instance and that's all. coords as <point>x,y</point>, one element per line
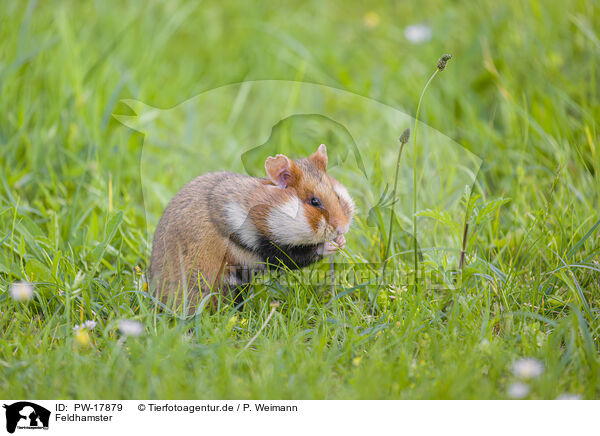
<point>232,280</point>
<point>244,263</point>
<point>322,227</point>
<point>238,220</point>
<point>344,197</point>
<point>244,257</point>
<point>288,224</point>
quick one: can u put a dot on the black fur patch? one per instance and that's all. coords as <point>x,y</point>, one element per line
<point>289,256</point>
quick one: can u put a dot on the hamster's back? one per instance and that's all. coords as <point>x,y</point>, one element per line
<point>188,235</point>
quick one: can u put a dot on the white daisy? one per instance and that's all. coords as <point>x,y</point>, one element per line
<point>517,390</point>
<point>131,328</point>
<point>88,325</point>
<point>527,368</point>
<point>21,291</point>
<point>568,397</point>
<point>417,33</point>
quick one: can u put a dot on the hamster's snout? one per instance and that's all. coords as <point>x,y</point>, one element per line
<point>334,232</point>
<point>342,230</point>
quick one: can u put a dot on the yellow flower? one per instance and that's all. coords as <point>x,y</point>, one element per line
<point>372,19</point>
<point>82,338</point>
<point>232,322</point>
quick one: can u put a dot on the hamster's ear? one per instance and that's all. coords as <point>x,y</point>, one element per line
<point>280,170</point>
<point>319,157</point>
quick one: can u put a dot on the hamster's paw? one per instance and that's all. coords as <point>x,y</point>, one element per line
<point>332,247</point>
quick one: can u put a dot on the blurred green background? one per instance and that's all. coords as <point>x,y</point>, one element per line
<point>521,92</point>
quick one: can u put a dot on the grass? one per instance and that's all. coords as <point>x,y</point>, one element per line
<point>521,92</point>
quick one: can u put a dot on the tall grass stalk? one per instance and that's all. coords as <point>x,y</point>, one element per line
<point>441,65</point>
<point>403,140</point>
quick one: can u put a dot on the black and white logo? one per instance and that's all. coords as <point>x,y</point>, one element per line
<point>26,415</point>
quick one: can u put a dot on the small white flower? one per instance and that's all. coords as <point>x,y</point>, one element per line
<point>517,390</point>
<point>131,328</point>
<point>417,33</point>
<point>21,291</point>
<point>568,397</point>
<point>527,368</point>
<point>88,325</point>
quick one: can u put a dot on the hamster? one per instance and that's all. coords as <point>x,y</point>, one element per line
<point>221,228</point>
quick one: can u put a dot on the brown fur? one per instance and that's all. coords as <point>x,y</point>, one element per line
<point>192,249</point>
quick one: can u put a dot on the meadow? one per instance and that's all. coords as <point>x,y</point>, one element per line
<point>522,93</point>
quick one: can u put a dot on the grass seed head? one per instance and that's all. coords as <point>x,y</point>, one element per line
<point>405,136</point>
<point>441,65</point>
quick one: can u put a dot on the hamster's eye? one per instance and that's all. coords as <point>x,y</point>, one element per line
<point>316,202</point>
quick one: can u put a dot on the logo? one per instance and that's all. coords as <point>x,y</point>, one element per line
<point>26,415</point>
